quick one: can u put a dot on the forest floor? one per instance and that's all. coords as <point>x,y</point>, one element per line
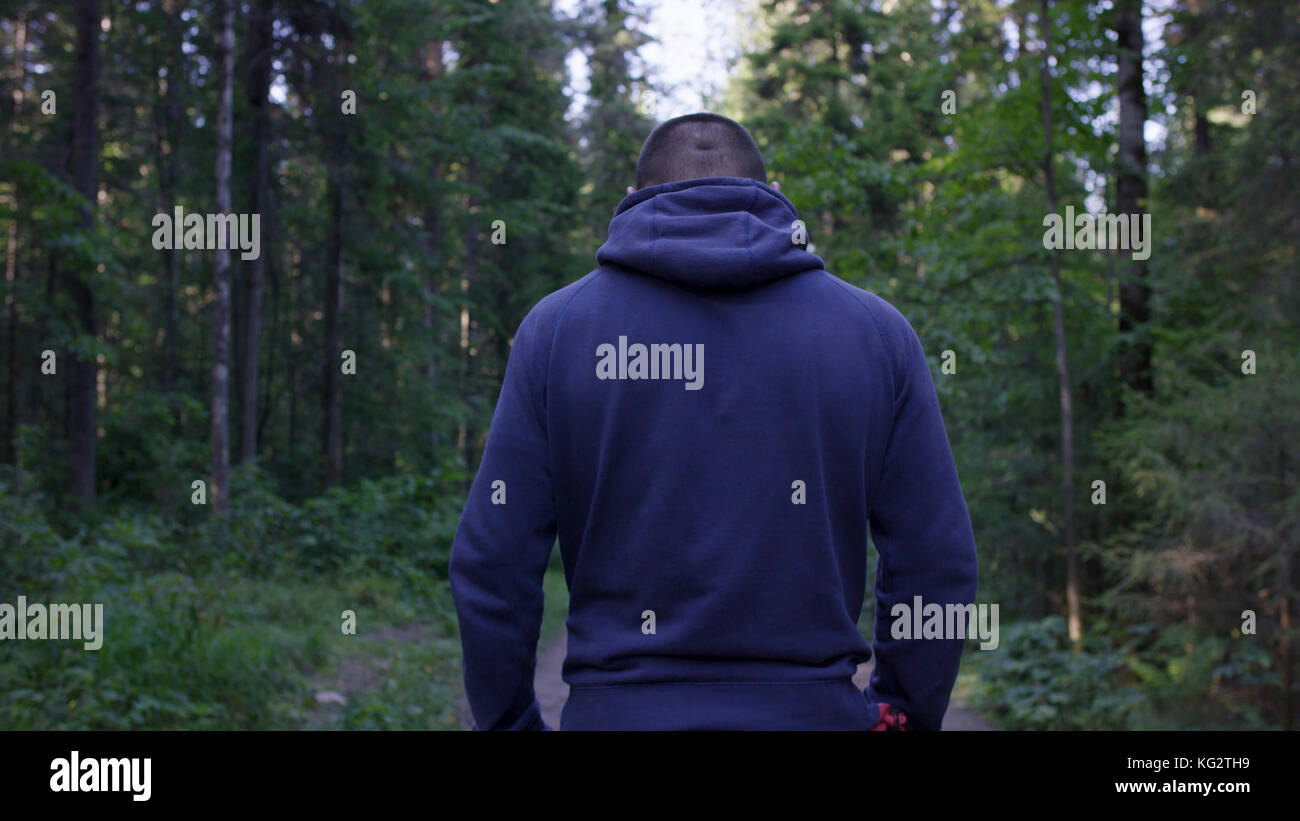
<point>400,671</point>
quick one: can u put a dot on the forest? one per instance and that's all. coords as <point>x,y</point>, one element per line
<point>254,453</point>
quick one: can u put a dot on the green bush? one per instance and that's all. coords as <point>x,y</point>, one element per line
<point>217,623</point>
<point>1133,678</point>
<point>1035,681</point>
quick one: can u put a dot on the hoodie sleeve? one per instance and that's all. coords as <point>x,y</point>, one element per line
<point>922,531</point>
<point>502,547</point>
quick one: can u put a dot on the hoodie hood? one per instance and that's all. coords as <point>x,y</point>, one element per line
<point>713,233</point>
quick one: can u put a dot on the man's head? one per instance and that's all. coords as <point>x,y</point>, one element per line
<point>698,145</point>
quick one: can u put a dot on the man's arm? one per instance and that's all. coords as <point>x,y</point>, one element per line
<point>502,547</point>
<point>922,531</point>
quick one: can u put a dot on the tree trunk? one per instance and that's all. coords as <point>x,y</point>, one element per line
<point>1202,143</point>
<point>268,399</point>
<point>433,262</point>
<point>332,78</point>
<point>168,154</point>
<point>1201,129</point>
<point>11,342</point>
<point>260,42</point>
<point>332,438</point>
<point>221,304</point>
<point>11,256</point>
<point>297,333</point>
<point>433,65</point>
<point>1074,618</point>
<point>1131,192</point>
<point>467,435</point>
<point>85,151</point>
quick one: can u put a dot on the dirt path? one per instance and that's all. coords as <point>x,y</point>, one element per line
<point>358,673</point>
<point>552,691</point>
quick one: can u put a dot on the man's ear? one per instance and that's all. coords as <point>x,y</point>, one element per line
<point>776,185</point>
<point>631,189</point>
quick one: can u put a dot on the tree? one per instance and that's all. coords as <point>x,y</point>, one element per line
<point>85,158</point>
<point>333,61</point>
<point>168,130</point>
<point>1073,618</point>
<point>261,30</point>
<point>11,251</point>
<point>1131,193</point>
<point>614,127</point>
<point>221,303</point>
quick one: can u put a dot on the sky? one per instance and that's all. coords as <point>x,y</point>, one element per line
<point>697,40</point>
<point>689,60</point>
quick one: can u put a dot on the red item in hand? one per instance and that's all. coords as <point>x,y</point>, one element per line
<point>890,720</point>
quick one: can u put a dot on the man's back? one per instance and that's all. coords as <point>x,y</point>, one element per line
<point>712,423</point>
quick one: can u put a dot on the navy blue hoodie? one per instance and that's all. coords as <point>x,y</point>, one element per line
<point>713,425</point>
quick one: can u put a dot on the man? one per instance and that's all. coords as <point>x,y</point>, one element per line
<point>713,425</point>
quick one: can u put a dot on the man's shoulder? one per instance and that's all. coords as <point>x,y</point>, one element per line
<point>888,319</point>
<point>556,301</point>
<point>541,320</point>
<point>550,307</point>
<point>893,327</point>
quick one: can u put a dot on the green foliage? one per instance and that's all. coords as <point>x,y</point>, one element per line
<point>1035,681</point>
<point>221,625</point>
<point>1138,677</point>
<point>393,527</point>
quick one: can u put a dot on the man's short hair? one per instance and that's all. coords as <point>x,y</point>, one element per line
<point>698,145</point>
